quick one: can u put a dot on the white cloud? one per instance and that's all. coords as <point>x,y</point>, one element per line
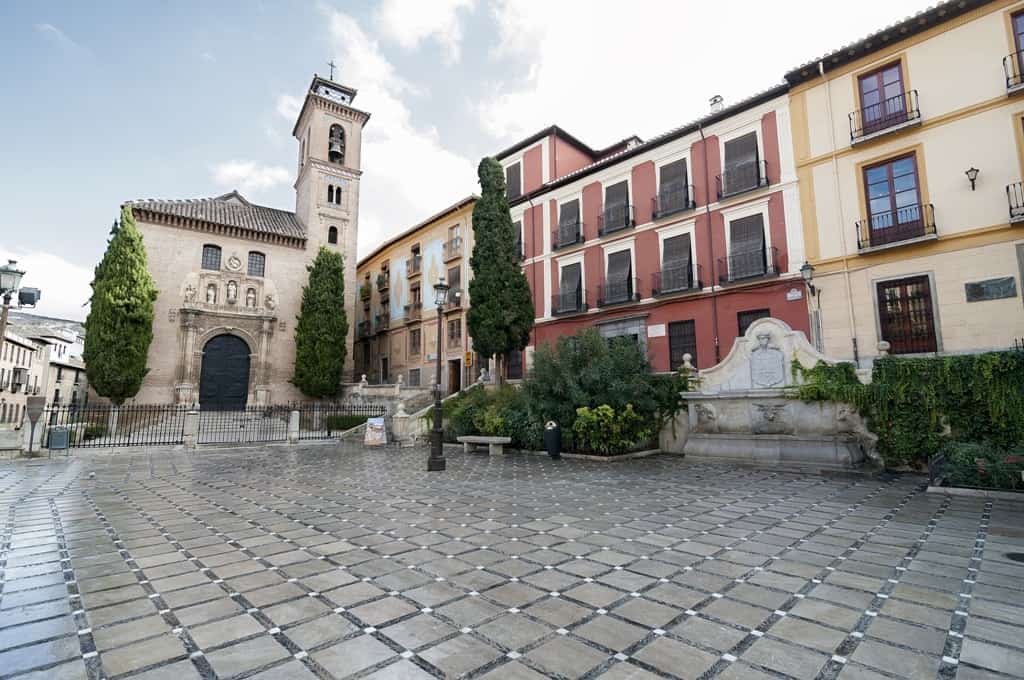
<point>288,107</point>
<point>410,22</point>
<point>249,176</point>
<point>64,285</point>
<point>56,36</point>
<point>408,174</point>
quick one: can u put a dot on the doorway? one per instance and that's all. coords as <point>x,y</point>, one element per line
<point>224,379</point>
<point>454,376</point>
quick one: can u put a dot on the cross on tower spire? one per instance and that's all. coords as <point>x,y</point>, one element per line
<point>332,65</point>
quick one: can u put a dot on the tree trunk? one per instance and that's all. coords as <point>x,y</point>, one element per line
<point>499,370</point>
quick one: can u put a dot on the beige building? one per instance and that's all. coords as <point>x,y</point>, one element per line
<point>23,365</point>
<point>909,147</point>
<point>396,320</point>
<point>230,273</point>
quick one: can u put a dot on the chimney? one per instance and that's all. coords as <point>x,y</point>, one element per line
<point>716,103</point>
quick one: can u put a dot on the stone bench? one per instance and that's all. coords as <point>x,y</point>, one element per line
<point>494,444</point>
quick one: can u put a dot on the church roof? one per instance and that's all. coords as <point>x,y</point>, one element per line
<point>229,210</point>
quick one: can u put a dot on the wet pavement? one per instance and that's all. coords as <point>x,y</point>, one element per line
<point>333,561</point>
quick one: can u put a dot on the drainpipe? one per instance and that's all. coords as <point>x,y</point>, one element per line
<point>533,230</point>
<point>852,316</point>
<point>711,244</point>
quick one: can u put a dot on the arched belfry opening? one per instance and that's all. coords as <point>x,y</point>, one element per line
<point>336,145</point>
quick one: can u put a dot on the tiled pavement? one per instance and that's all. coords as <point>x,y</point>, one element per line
<point>332,562</point>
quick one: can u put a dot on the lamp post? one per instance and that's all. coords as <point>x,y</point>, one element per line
<point>10,280</point>
<point>436,462</point>
<point>807,273</point>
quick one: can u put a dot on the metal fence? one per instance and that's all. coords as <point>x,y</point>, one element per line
<point>104,426</point>
<point>328,420</point>
<point>248,425</point>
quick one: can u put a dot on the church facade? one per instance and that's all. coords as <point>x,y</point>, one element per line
<point>230,273</point>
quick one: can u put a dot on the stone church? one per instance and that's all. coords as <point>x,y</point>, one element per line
<point>230,273</point>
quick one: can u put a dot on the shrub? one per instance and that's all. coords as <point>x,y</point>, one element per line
<point>340,423</point>
<point>94,431</point>
<point>962,463</point>
<point>603,430</point>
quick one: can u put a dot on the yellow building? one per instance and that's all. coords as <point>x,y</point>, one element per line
<point>909,147</point>
<point>396,320</point>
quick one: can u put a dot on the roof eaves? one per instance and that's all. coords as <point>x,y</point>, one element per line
<point>454,207</point>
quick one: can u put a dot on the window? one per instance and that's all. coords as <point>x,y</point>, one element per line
<point>616,213</point>
<point>1017,20</point>
<point>414,377</point>
<point>906,316</point>
<point>513,184</point>
<point>332,235</point>
<point>742,167</point>
<point>744,319</point>
<point>676,269</point>
<point>682,339</point>
<point>336,145</point>
<point>257,263</point>
<point>454,232</point>
<point>746,248</point>
<point>415,338</point>
<point>674,190</point>
<point>455,332</point>
<point>414,295</point>
<point>514,365</point>
<point>330,193</point>
<point>211,257</point>
<point>894,201</point>
<point>618,284</point>
<point>568,223</point>
<point>517,236</point>
<point>882,100</point>
<point>570,290</point>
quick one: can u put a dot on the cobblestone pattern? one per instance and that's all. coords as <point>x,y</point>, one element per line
<point>332,562</point>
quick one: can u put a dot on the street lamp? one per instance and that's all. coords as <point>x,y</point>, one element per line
<point>807,272</point>
<point>436,462</point>
<point>10,280</point>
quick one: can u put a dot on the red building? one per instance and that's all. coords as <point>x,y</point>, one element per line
<point>680,241</point>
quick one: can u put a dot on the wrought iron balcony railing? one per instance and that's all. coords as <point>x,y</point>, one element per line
<point>364,329</point>
<point>1012,68</point>
<point>679,278</point>
<point>895,226</point>
<point>364,291</point>
<point>454,300</point>
<point>742,177</point>
<point>1015,199</point>
<point>568,303</point>
<point>382,322</point>
<point>453,248</point>
<point>617,292</point>
<point>888,115</point>
<point>673,199</point>
<point>383,282</point>
<point>413,312</point>
<point>415,263</point>
<point>567,234</point>
<point>755,264</point>
<point>615,218</point>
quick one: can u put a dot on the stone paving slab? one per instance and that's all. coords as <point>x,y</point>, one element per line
<point>334,562</point>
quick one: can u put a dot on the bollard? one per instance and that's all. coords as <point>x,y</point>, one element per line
<point>190,433</point>
<point>293,427</point>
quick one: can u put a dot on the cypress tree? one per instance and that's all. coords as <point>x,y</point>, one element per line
<point>322,327</point>
<point>501,307</point>
<point>119,327</point>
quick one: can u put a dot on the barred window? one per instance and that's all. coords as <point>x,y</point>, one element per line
<point>682,339</point>
<point>414,377</point>
<point>257,263</point>
<point>414,341</point>
<point>211,257</point>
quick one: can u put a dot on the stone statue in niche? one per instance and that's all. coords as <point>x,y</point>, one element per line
<point>767,364</point>
<point>232,292</point>
<point>190,293</point>
<point>211,294</point>
<point>250,298</point>
<point>269,302</point>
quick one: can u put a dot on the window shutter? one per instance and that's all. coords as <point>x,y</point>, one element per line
<point>455,278</point>
<point>570,279</point>
<point>512,181</point>
<point>676,251</point>
<point>741,151</point>
<point>747,234</point>
<point>673,176</point>
<point>619,266</point>
<point>616,195</point>
<point>569,214</point>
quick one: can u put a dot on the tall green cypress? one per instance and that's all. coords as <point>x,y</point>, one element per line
<point>119,327</point>
<point>322,327</point>
<point>501,306</point>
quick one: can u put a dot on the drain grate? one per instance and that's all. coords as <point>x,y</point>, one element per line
<point>1016,557</point>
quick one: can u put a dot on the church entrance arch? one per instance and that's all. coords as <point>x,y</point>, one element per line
<point>224,379</point>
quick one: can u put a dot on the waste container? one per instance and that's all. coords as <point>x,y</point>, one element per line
<point>58,439</point>
<point>553,439</point>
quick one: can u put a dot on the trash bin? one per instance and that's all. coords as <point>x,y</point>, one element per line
<point>553,439</point>
<point>58,438</point>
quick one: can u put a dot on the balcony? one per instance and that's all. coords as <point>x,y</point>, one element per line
<point>365,291</point>
<point>454,301</point>
<point>452,249</point>
<point>415,265</point>
<point>364,329</point>
<point>742,178</point>
<point>908,224</point>
<point>1012,69</point>
<point>671,200</point>
<point>566,235</point>
<point>1015,198</point>
<point>685,278</point>
<point>615,218</point>
<point>568,303</point>
<point>382,322</point>
<point>888,116</point>
<point>383,281</point>
<point>612,292</point>
<point>742,267</point>
<point>413,312</point>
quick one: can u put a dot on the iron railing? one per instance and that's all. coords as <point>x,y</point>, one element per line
<point>672,199</point>
<point>749,265</point>
<point>742,177</point>
<point>615,218</point>
<point>103,425</point>
<point>382,322</point>
<point>568,303</point>
<point>894,226</point>
<point>243,425</point>
<point>364,329</point>
<point>454,300</point>
<point>567,234</point>
<point>616,292</point>
<point>1015,199</point>
<point>415,263</point>
<point>329,420</point>
<point>413,312</point>
<point>1012,68</point>
<point>383,282</point>
<point>684,278</point>
<point>452,249</point>
<point>364,291</point>
<point>886,114</point>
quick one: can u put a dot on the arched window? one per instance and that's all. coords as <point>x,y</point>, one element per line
<point>211,257</point>
<point>336,145</point>
<point>332,235</point>
<point>330,193</point>
<point>257,263</point>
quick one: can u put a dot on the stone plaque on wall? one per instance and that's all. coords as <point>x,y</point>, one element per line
<point>991,289</point>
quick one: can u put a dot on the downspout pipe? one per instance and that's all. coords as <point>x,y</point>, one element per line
<point>711,243</point>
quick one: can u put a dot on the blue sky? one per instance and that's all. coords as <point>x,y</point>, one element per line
<point>110,101</point>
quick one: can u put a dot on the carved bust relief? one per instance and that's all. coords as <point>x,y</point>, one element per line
<point>767,364</point>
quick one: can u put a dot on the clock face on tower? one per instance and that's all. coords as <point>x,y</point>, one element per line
<point>333,94</point>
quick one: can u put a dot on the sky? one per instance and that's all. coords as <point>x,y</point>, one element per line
<point>117,100</point>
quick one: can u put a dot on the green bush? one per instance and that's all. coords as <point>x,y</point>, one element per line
<point>340,423</point>
<point>94,431</point>
<point>994,473</point>
<point>605,431</point>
